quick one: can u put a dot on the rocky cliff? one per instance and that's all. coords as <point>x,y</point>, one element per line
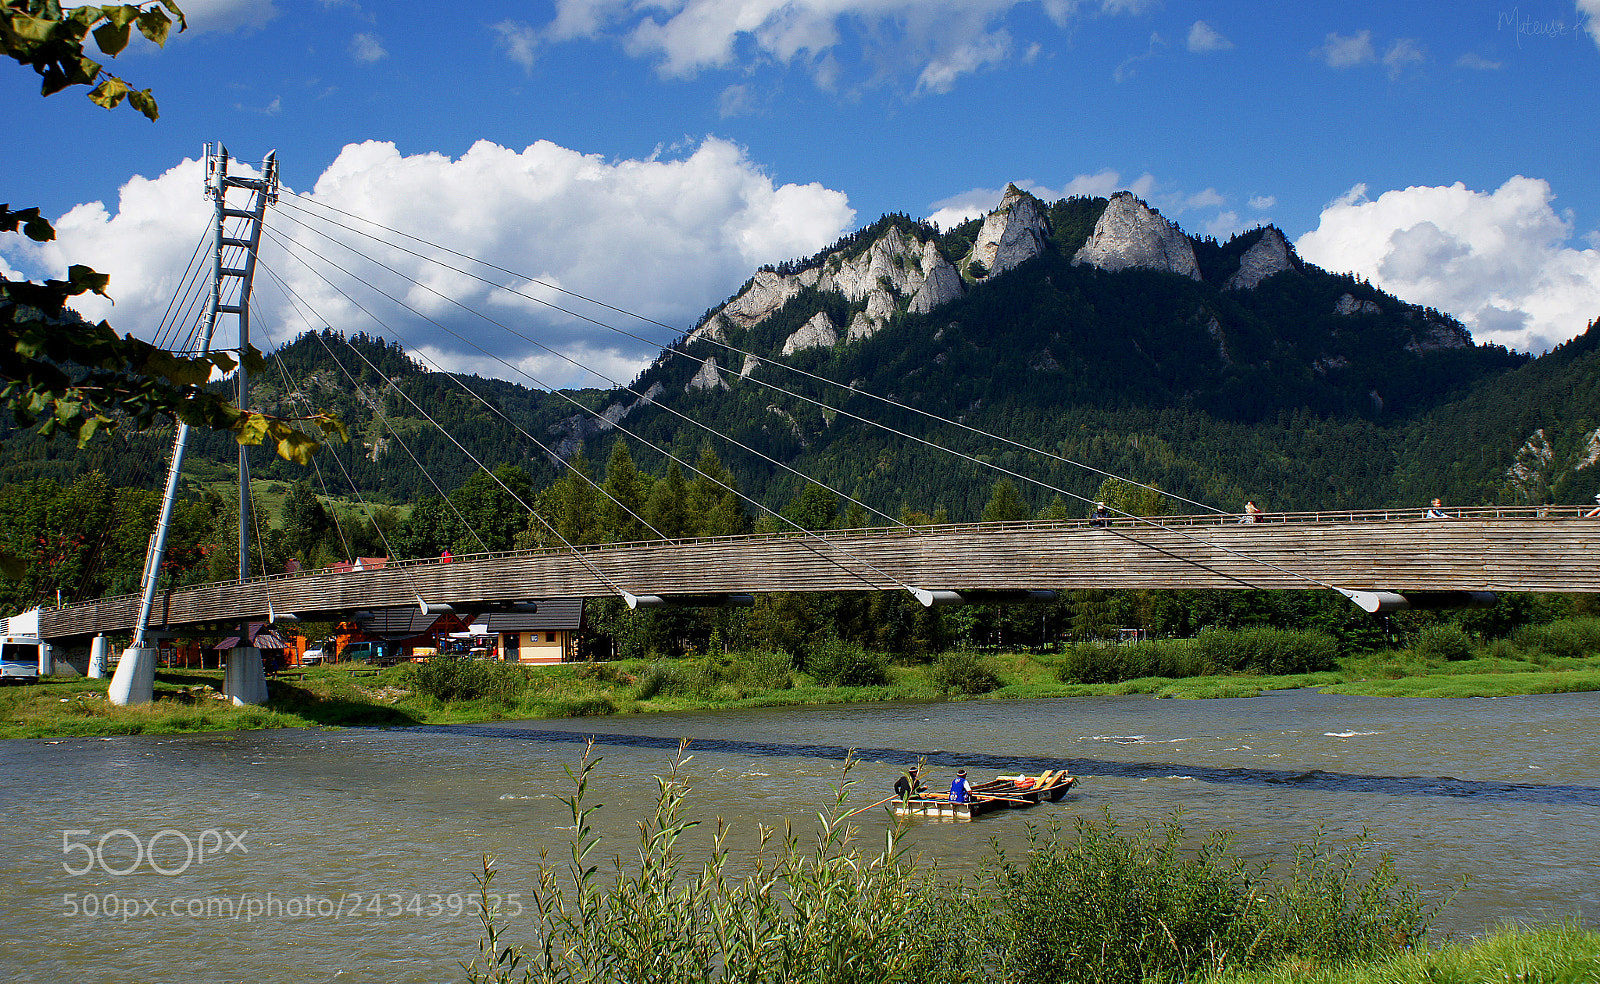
<point>1132,234</point>
<point>1271,254</point>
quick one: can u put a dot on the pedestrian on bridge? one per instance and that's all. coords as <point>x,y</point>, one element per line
<point>1252,513</point>
<point>1595,511</point>
<point>1436,511</point>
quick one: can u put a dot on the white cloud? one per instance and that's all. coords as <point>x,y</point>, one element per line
<point>1130,65</point>
<point>1503,261</point>
<point>666,238</point>
<point>368,48</point>
<point>1402,55</point>
<point>935,43</point>
<point>1346,52</point>
<point>1260,203</point>
<point>519,41</point>
<point>1478,62</point>
<point>1589,15</point>
<point>736,100</point>
<point>1204,37</point>
<point>227,15</point>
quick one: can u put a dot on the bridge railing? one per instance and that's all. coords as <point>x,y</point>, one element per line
<point>1407,514</point>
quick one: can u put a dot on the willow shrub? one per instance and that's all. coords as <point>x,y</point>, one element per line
<point>1570,638</point>
<point>1443,643</point>
<point>1267,651</point>
<point>1100,662</point>
<point>827,913</point>
<point>837,663</point>
<point>964,672</point>
<point>449,678</point>
<point>1103,907</point>
<point>1122,909</point>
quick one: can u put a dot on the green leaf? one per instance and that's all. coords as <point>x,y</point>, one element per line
<point>293,445</point>
<point>109,92</point>
<point>155,26</point>
<point>144,102</point>
<point>112,36</point>
<point>251,428</point>
<point>84,278</point>
<point>34,30</point>
<point>39,229</point>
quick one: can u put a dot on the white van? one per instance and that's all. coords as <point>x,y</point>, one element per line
<point>19,658</point>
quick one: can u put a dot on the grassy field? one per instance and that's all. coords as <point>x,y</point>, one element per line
<point>333,696</point>
<point>1562,954</point>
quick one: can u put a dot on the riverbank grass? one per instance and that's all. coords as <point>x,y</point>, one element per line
<point>1561,954</point>
<point>467,691</point>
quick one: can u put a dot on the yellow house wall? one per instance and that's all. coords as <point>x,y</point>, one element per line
<point>532,647</point>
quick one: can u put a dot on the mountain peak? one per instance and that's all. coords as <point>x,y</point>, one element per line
<point>1271,254</point>
<point>1132,234</point>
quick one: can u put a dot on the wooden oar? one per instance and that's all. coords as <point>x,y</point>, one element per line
<point>864,809</point>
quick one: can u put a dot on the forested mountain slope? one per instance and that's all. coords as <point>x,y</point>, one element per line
<point>1089,328</point>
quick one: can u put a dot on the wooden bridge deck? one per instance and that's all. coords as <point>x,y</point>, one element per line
<point>1503,549</point>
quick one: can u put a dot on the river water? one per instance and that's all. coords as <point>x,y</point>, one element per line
<point>349,855</point>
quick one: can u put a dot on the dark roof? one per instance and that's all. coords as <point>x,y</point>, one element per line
<point>393,624</point>
<point>553,614</point>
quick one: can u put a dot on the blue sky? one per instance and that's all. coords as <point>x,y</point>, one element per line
<point>652,153</point>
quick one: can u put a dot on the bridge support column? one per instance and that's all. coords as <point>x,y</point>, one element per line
<point>245,682</point>
<point>99,655</point>
<point>135,679</point>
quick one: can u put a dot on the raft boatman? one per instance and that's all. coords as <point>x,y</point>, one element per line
<point>960,792</point>
<point>908,785</point>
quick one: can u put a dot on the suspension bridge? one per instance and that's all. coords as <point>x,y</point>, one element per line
<point>1381,559</point>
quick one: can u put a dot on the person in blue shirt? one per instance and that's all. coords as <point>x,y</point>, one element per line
<point>960,792</point>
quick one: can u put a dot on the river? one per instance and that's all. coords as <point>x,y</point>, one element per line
<point>349,855</point>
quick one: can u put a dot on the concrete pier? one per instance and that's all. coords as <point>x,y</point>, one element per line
<point>245,682</point>
<point>135,679</point>
<point>99,657</point>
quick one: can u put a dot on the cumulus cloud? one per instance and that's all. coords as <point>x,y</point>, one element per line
<point>1260,203</point>
<point>665,237</point>
<point>1338,51</point>
<point>1589,14</point>
<point>1204,37</point>
<point>1504,262</point>
<point>933,43</point>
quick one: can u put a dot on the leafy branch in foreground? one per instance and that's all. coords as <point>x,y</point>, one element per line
<point>50,39</point>
<point>67,375</point>
<point>59,371</point>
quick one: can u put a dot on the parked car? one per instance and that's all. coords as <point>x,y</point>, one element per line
<point>313,656</point>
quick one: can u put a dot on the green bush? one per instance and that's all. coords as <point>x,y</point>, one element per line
<point>1443,642</point>
<point>1267,651</point>
<point>964,672</point>
<point>1101,662</point>
<point>1124,909</point>
<point>1570,638</point>
<point>765,669</point>
<point>690,678</point>
<point>453,678</point>
<point>836,663</point>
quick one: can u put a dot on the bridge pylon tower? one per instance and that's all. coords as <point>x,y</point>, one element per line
<point>236,237</point>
